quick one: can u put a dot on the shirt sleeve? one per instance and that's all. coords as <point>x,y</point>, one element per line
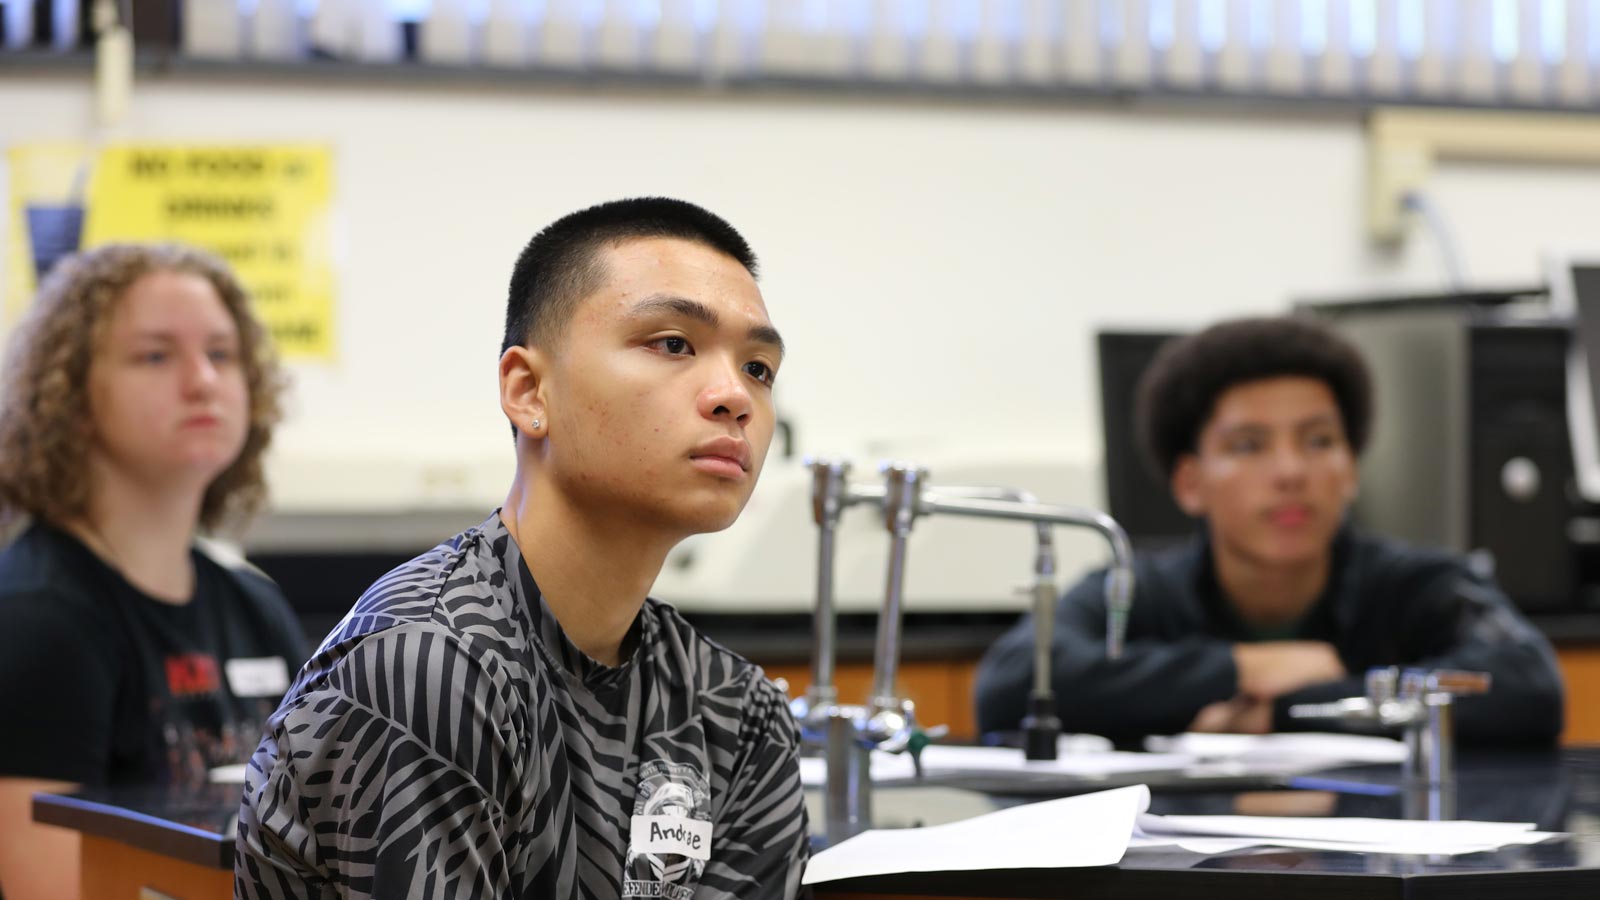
<point>390,771</point>
<point>58,687</point>
<point>1156,686</point>
<point>760,840</point>
<point>1447,617</point>
<point>1463,621</point>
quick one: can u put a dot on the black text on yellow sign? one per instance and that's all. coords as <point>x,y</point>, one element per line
<point>264,209</point>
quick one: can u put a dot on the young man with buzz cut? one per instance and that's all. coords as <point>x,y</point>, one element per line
<point>1257,424</point>
<point>509,715</point>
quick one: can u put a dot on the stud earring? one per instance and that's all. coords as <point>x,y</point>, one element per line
<point>534,424</point>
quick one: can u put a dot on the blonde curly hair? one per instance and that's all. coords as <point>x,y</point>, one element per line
<point>44,400</point>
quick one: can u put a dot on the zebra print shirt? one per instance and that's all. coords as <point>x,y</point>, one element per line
<point>448,740</point>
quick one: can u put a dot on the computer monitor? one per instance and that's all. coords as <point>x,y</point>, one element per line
<point>1575,293</point>
<point>1136,496</point>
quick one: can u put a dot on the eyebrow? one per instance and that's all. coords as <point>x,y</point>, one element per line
<point>1315,421</point>
<point>160,335</point>
<point>694,309</point>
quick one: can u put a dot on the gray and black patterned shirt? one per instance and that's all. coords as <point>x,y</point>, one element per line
<point>448,740</point>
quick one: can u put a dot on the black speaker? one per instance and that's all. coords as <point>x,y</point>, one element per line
<point>1136,496</point>
<point>1470,448</point>
<point>1520,461</point>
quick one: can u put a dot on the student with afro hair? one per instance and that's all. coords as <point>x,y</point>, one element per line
<point>1257,425</point>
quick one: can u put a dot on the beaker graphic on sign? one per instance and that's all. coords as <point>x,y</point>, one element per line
<point>50,190</point>
<point>54,231</point>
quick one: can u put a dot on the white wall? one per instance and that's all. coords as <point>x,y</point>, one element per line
<point>937,267</point>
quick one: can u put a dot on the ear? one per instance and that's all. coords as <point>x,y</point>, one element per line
<point>1186,485</point>
<point>522,390</point>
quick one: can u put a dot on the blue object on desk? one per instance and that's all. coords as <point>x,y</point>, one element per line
<point>1313,783</point>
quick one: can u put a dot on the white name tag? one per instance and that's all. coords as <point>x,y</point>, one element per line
<point>264,676</point>
<point>672,834</point>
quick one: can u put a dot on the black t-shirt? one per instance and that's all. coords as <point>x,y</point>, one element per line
<point>101,683</point>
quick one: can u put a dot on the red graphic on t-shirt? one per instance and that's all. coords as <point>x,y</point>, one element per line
<point>192,673</point>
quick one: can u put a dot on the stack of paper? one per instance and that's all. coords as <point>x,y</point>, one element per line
<point>1096,829</point>
<point>1222,834</point>
<point>1091,830</point>
<point>1287,752</point>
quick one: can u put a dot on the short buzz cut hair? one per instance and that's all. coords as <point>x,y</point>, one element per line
<point>562,264</point>
<point>1178,392</point>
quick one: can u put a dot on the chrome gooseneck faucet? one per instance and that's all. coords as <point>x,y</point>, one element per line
<point>848,733</point>
<point>1418,702</point>
<point>1041,727</point>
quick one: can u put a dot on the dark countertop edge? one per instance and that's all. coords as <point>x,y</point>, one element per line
<point>145,832</point>
<point>1118,881</point>
<point>1129,880</point>
<point>1140,873</point>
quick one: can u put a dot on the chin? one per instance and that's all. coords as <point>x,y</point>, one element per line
<point>1293,551</point>
<point>711,523</point>
<point>211,464</point>
<point>707,517</point>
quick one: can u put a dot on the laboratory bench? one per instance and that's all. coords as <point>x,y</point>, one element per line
<point>940,653</point>
<point>180,843</point>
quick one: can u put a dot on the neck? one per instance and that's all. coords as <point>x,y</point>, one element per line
<point>143,531</point>
<point>1267,594</point>
<point>593,571</point>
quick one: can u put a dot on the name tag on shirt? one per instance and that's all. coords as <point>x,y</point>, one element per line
<point>672,834</point>
<point>263,676</point>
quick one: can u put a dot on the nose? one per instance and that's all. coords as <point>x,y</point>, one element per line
<point>1289,462</point>
<point>727,395</point>
<point>200,374</point>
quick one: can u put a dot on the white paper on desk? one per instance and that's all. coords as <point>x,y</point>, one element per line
<point>939,759</point>
<point>1348,829</point>
<point>1222,834</point>
<point>1299,751</point>
<point>1087,830</point>
<point>1211,846</point>
<point>228,774</point>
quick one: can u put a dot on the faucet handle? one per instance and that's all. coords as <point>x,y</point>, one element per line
<point>1452,682</point>
<point>812,710</point>
<point>1350,709</point>
<point>829,478</point>
<point>903,483</point>
<point>893,725</point>
<point>1382,683</point>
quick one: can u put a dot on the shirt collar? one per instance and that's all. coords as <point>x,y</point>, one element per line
<point>511,571</point>
<point>1320,618</point>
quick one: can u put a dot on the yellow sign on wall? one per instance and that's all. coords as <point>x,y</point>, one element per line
<point>263,208</point>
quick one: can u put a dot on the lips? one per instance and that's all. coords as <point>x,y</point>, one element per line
<point>1290,515</point>
<point>201,421</point>
<point>729,449</point>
